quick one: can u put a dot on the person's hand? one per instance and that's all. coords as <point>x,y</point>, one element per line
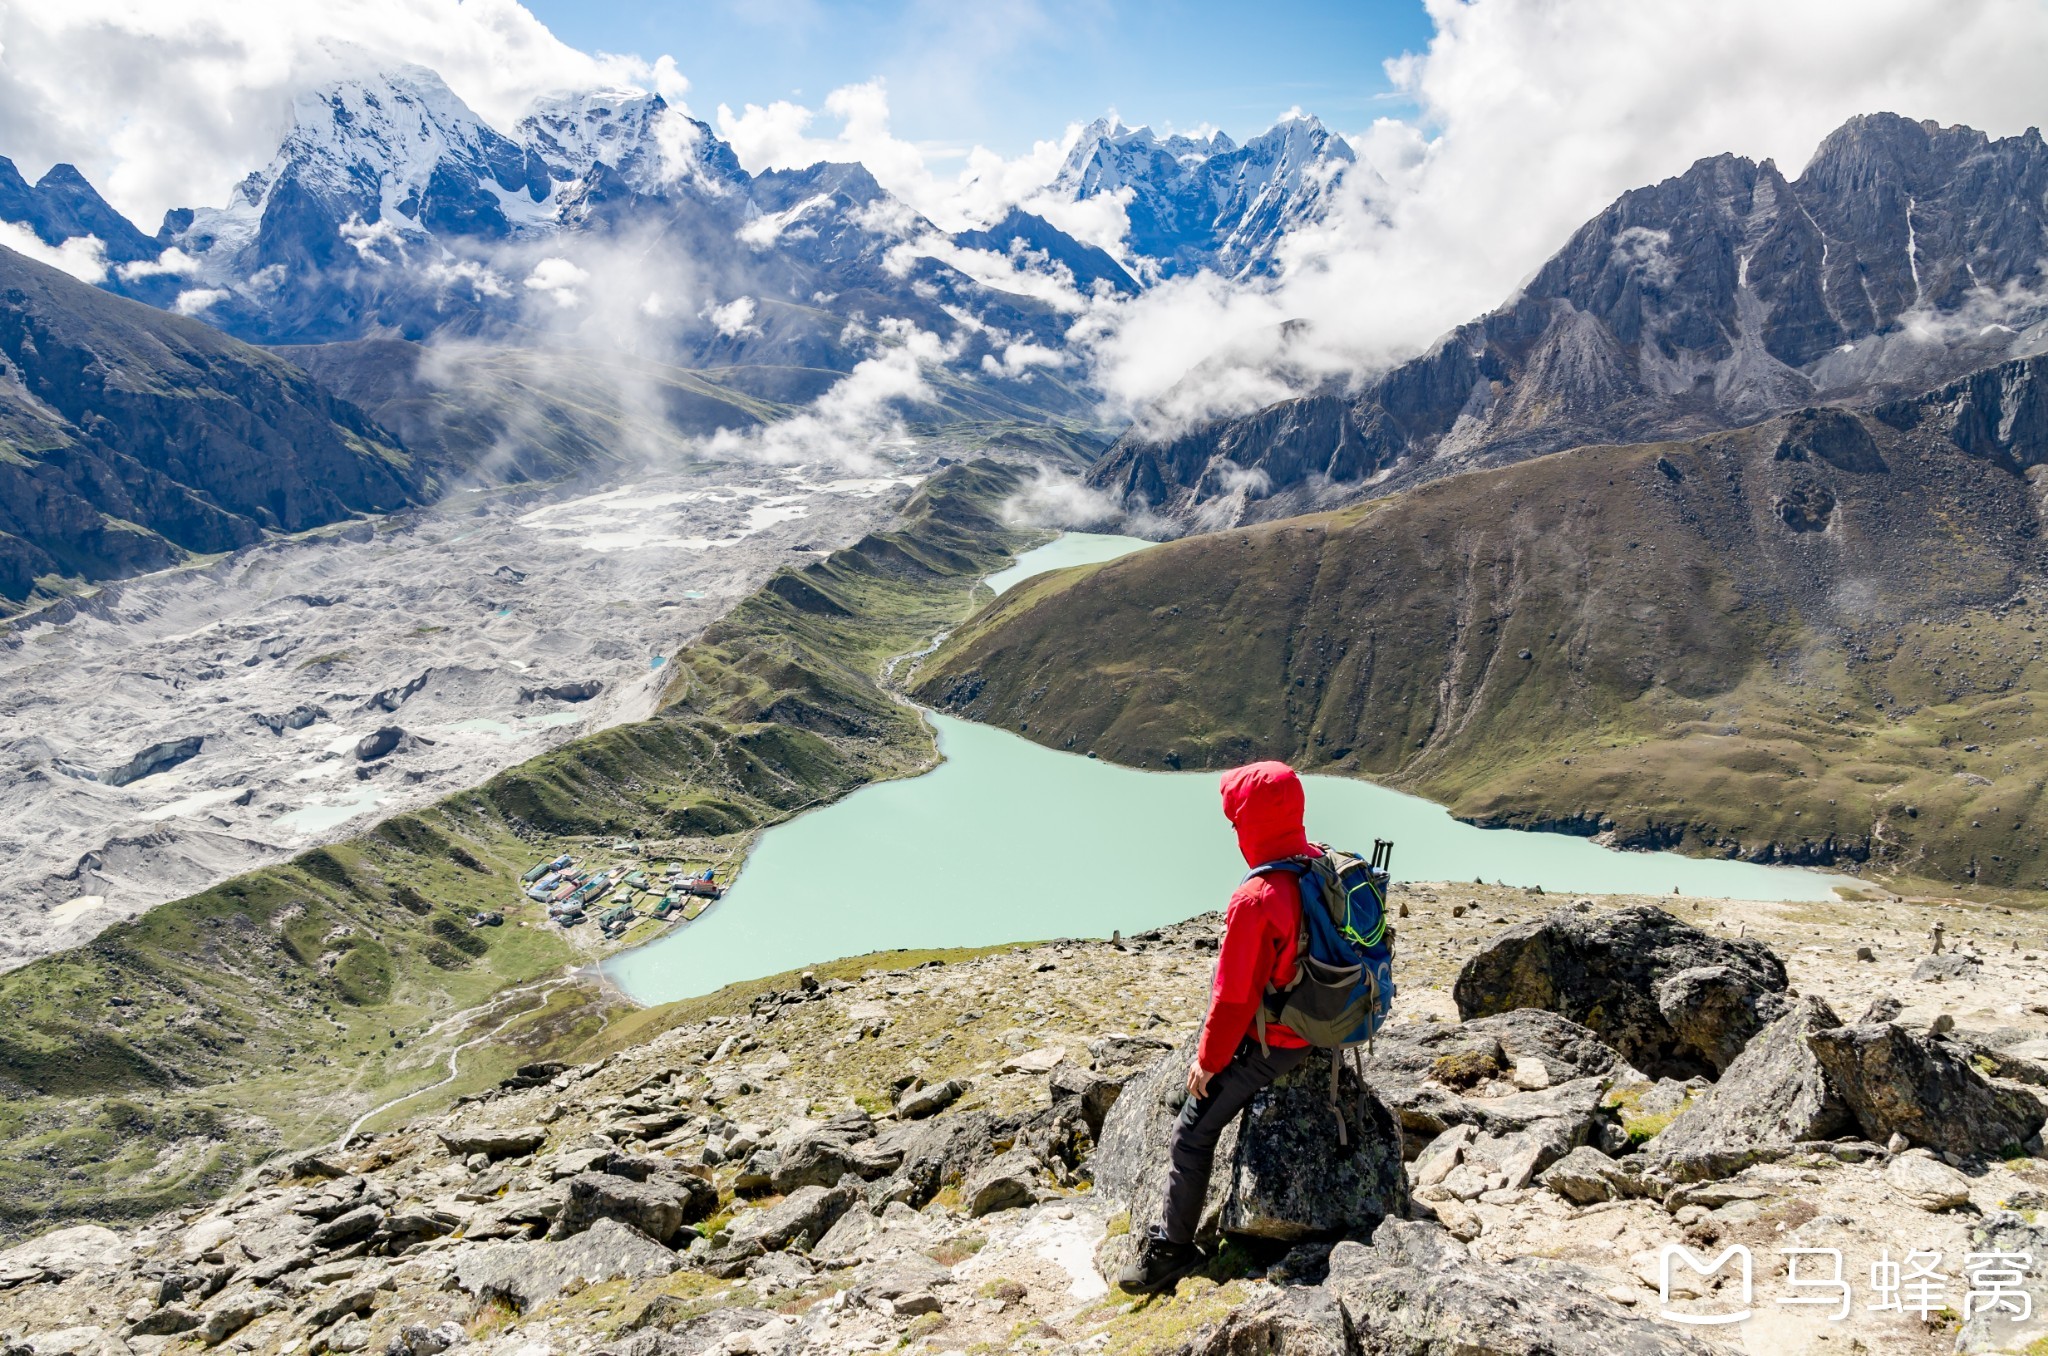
<point>1198,1081</point>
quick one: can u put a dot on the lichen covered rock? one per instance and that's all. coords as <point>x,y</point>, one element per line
<point>1771,1098</point>
<point>1280,1171</point>
<point>1923,1087</point>
<point>1667,996</point>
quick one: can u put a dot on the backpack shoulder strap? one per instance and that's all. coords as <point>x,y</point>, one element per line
<point>1295,866</point>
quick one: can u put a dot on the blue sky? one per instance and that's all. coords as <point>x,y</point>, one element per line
<point>1004,73</point>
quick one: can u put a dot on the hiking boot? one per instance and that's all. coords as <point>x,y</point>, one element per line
<point>1158,1267</point>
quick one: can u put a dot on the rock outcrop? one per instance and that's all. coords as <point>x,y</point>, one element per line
<point>1924,1087</point>
<point>1772,1098</point>
<point>527,1274</point>
<point>1667,996</point>
<point>1280,1172</point>
<point>1417,1291</point>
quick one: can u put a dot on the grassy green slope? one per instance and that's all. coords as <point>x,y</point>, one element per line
<point>152,1065</point>
<point>1811,641</point>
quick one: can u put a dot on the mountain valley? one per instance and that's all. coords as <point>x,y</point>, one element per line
<point>473,523</point>
<point>1811,640</point>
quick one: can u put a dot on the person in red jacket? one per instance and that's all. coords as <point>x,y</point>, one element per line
<point>1264,803</point>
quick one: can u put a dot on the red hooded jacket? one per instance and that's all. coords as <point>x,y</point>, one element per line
<point>1263,801</point>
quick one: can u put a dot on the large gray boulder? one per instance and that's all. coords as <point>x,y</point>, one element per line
<point>1586,1176</point>
<point>1923,1087</point>
<point>929,1100</point>
<point>466,1137</point>
<point>63,1253</point>
<point>1419,1292</point>
<point>670,1326</point>
<point>1006,1182</point>
<point>933,1153</point>
<point>657,1207</point>
<point>1668,997</point>
<point>1772,1097</point>
<point>1294,1320</point>
<point>797,1221</point>
<point>527,1274</point>
<point>1280,1172</point>
<point>1997,1327</point>
<point>819,1155</point>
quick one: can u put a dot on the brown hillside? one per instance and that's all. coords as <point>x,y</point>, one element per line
<point>1808,640</point>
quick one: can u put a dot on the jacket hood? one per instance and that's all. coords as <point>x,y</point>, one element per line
<point>1264,802</point>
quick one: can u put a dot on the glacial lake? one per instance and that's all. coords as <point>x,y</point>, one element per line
<point>1009,841</point>
<point>1067,549</point>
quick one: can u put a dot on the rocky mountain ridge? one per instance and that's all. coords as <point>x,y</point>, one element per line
<point>953,1154</point>
<point>1904,255</point>
<point>135,439</point>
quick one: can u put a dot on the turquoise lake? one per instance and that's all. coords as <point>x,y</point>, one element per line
<point>1067,549</point>
<point>1008,841</point>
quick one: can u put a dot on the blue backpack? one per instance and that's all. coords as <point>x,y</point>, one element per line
<point>1342,989</point>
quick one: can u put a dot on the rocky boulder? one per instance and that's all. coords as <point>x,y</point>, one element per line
<point>526,1274</point>
<point>1280,1172</point>
<point>1992,1327</point>
<point>464,1138</point>
<point>798,1220</point>
<point>932,1153</point>
<point>1668,997</point>
<point>819,1155</point>
<point>1773,1096</point>
<point>1417,1290</point>
<point>1585,1176</point>
<point>930,1099</point>
<point>1091,1091</point>
<point>1926,1181</point>
<point>1005,1182</point>
<point>1925,1088</point>
<point>657,1207</point>
<point>63,1253</point>
<point>1423,1070</point>
<point>1954,965</point>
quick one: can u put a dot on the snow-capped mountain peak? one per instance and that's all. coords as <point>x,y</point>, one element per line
<point>1204,201</point>
<point>380,143</point>
<point>653,147</point>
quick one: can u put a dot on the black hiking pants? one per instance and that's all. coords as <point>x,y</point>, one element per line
<point>1192,1151</point>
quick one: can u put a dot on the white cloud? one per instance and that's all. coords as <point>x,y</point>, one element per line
<point>173,262</point>
<point>1052,500</point>
<point>1025,274</point>
<point>860,415</point>
<point>371,240</point>
<point>1533,116</point>
<point>477,276</point>
<point>780,136</point>
<point>559,280</point>
<point>1019,358</point>
<point>82,256</point>
<point>193,300</point>
<point>734,318</point>
<point>168,103</point>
